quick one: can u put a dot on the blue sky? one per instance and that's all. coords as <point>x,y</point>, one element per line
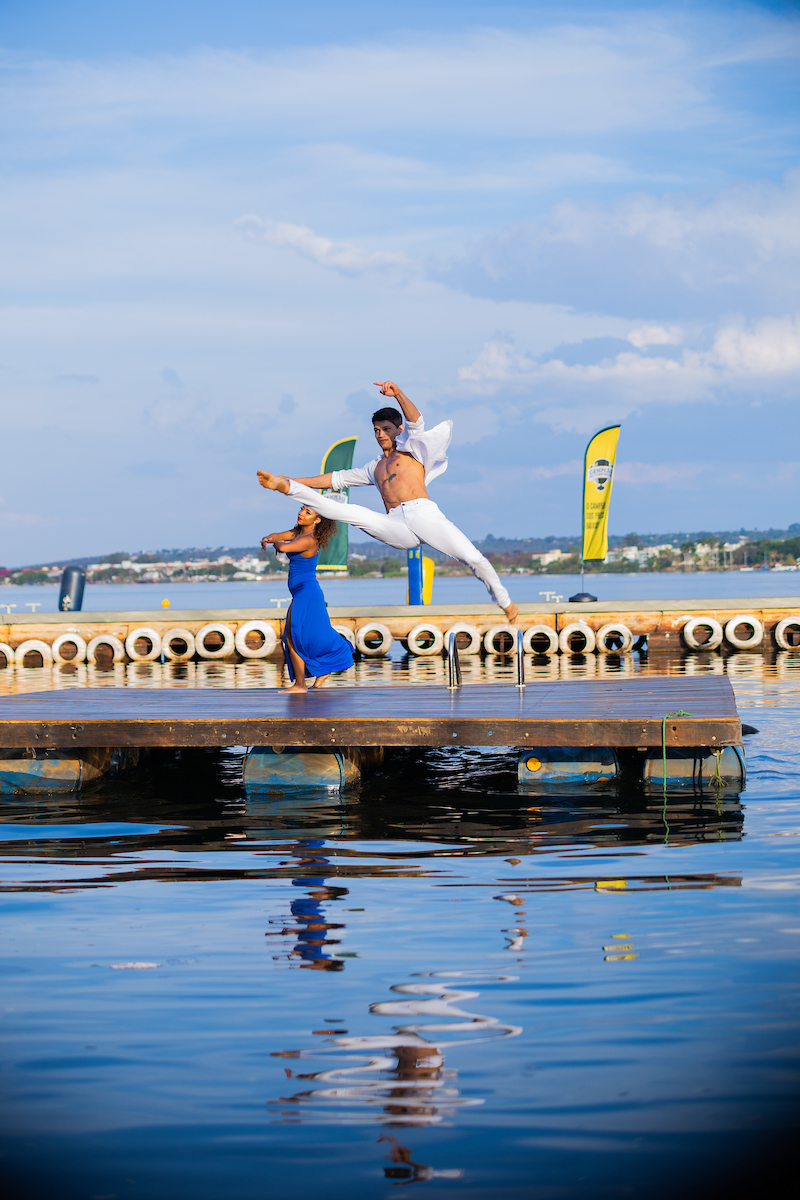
<point>220,223</point>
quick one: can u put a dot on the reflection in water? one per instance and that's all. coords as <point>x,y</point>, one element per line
<point>517,933</point>
<point>621,949</point>
<point>311,928</point>
<point>671,1073</point>
<point>404,1170</point>
<point>743,667</point>
<point>330,844</point>
<point>404,1080</point>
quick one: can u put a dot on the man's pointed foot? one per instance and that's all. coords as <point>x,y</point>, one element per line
<point>273,483</point>
<point>512,612</point>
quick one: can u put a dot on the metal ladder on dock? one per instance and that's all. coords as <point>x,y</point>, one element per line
<point>454,662</point>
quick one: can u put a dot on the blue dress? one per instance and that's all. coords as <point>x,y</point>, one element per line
<point>321,648</point>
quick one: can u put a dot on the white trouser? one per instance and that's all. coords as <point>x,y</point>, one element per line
<point>408,526</point>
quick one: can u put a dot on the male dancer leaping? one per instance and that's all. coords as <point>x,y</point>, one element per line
<point>411,458</point>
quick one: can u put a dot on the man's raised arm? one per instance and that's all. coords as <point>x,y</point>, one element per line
<point>410,410</point>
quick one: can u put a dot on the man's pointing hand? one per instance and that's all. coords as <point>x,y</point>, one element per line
<point>389,389</point>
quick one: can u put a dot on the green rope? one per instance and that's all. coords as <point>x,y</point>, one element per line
<point>679,713</point>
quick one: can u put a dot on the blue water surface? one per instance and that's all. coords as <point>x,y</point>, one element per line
<point>435,980</point>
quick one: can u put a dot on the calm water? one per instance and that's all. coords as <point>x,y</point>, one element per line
<point>436,980</point>
<point>147,597</point>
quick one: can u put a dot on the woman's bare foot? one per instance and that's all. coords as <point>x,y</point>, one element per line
<point>274,483</point>
<point>320,681</point>
<point>299,689</point>
<point>512,612</point>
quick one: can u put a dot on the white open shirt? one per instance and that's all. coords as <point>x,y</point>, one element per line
<point>428,447</point>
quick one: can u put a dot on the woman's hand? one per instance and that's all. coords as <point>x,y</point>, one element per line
<point>270,540</point>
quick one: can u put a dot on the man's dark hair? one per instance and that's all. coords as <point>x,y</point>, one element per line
<point>388,414</point>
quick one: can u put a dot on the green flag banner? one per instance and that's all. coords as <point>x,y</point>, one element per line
<point>338,458</point>
<point>598,475</point>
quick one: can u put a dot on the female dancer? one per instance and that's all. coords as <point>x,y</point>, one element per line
<point>312,645</point>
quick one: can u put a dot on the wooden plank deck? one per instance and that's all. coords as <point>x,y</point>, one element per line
<point>562,713</point>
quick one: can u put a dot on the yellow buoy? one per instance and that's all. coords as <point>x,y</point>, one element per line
<point>165,603</point>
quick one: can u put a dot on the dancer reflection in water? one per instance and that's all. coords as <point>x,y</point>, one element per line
<point>311,644</point>
<point>312,932</point>
<point>311,928</point>
<point>404,1080</point>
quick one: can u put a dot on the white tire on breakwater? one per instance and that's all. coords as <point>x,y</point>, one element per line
<point>494,640</point>
<point>223,651</point>
<point>67,639</point>
<point>105,639</point>
<point>783,628</point>
<point>374,630</point>
<point>690,627</point>
<point>569,631</point>
<point>346,632</point>
<point>266,647</point>
<point>7,653</point>
<point>178,635</point>
<point>473,646</point>
<point>36,646</point>
<point>744,643</point>
<point>532,638</point>
<point>425,639</point>
<point>153,637</point>
<point>619,632</point>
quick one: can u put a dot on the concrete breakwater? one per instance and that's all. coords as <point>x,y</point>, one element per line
<point>607,627</point>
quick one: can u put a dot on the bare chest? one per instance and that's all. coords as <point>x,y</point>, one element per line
<point>398,466</point>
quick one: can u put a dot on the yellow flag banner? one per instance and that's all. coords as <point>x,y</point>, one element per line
<point>598,476</point>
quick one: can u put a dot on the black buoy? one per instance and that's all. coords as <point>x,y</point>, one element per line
<point>73,581</point>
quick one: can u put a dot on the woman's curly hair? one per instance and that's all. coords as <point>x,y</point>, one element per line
<point>322,532</point>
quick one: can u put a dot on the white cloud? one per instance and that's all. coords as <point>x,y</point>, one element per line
<point>341,256</point>
<point>372,171</point>
<point>557,81</point>
<point>13,520</point>
<point>655,335</point>
<point>570,397</point>
<point>498,363</point>
<point>687,255</point>
<point>643,472</point>
<point>574,467</point>
<point>772,347</point>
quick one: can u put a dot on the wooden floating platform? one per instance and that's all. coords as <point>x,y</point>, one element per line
<point>618,713</point>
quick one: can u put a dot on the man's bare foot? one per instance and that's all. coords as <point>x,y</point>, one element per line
<point>299,689</point>
<point>512,612</point>
<point>320,681</point>
<point>274,483</point>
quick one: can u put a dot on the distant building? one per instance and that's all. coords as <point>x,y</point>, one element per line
<point>638,554</point>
